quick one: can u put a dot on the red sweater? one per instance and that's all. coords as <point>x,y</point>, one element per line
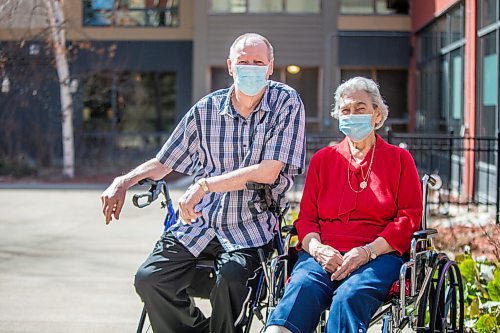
<point>390,206</point>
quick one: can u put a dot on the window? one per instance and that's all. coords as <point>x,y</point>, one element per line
<point>440,68</point>
<point>487,12</point>
<point>488,85</point>
<point>305,81</point>
<point>131,13</point>
<point>452,88</point>
<point>428,90</point>
<point>488,102</point>
<point>302,6</point>
<point>453,26</point>
<point>393,87</point>
<point>426,44</point>
<point>357,7</point>
<point>228,6</point>
<point>383,7</point>
<point>457,24</point>
<point>445,30</point>
<point>129,102</point>
<point>266,6</point>
<point>347,74</point>
<point>220,78</point>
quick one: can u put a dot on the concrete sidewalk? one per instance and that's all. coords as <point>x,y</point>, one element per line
<point>62,269</point>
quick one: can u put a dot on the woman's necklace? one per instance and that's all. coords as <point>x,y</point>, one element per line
<point>364,183</point>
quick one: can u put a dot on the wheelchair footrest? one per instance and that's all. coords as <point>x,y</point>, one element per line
<point>258,313</point>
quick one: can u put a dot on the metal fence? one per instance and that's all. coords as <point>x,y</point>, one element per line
<point>111,153</point>
<point>467,167</point>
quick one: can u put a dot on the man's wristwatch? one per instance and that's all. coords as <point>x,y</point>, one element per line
<point>373,253</point>
<point>203,184</point>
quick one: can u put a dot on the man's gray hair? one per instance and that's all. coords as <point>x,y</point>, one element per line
<point>250,39</point>
<point>361,84</point>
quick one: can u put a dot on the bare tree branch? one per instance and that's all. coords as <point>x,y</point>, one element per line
<point>54,29</point>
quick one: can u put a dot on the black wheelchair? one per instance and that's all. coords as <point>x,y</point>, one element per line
<point>266,285</point>
<point>427,298</point>
<point>429,295</point>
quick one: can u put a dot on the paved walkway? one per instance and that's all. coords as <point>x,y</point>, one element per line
<point>63,270</point>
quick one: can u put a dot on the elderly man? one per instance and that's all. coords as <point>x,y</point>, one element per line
<point>250,132</point>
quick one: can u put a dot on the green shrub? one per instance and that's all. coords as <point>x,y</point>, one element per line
<point>493,286</point>
<point>486,324</point>
<point>481,295</point>
<point>16,169</point>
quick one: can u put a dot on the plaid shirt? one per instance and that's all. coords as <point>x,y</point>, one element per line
<point>213,139</point>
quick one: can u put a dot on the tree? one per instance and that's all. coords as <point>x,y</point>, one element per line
<point>51,10</point>
<point>55,16</point>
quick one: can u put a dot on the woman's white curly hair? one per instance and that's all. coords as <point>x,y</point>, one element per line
<point>361,84</point>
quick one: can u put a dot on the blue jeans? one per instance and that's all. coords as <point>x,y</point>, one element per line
<point>353,301</point>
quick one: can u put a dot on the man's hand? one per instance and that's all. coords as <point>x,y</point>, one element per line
<point>112,200</point>
<point>188,201</point>
<point>328,257</point>
<point>352,261</point>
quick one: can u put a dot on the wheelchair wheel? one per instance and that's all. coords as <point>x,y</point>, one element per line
<point>264,300</point>
<point>279,281</point>
<point>144,326</point>
<point>441,308</point>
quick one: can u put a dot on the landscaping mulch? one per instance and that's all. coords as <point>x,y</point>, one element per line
<point>484,240</point>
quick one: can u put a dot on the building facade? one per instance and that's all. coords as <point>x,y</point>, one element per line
<point>455,74</point>
<point>131,80</point>
<point>137,66</point>
<point>317,45</point>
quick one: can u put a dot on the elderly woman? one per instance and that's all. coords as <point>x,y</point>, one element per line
<point>360,207</point>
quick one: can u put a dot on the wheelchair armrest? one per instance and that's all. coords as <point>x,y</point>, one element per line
<point>289,229</point>
<point>253,186</point>
<point>265,197</point>
<point>423,234</point>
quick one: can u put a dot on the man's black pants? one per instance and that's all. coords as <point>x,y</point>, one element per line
<point>163,278</point>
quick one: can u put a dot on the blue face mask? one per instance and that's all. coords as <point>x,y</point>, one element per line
<point>356,126</point>
<point>250,79</point>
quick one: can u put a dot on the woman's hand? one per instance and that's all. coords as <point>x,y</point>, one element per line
<point>353,259</point>
<point>328,257</point>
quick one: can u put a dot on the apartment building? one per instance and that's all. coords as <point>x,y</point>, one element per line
<point>317,45</point>
<point>456,78</point>
<point>131,78</point>
<point>137,65</point>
